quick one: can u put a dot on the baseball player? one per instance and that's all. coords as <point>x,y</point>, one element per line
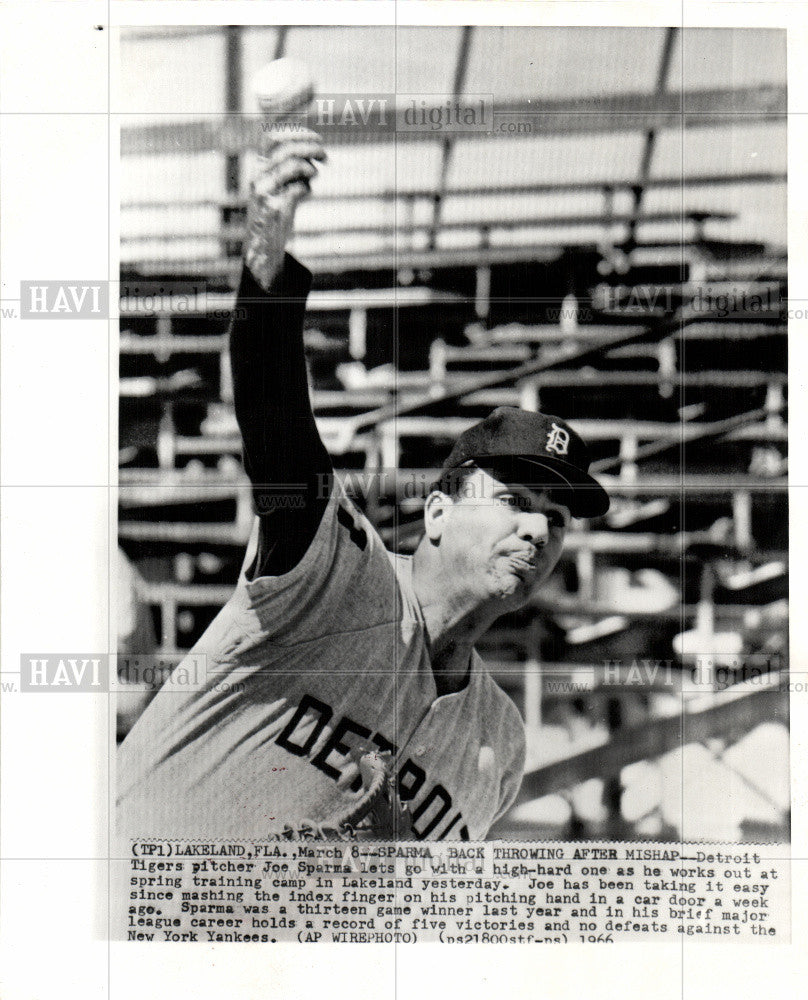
<point>333,652</point>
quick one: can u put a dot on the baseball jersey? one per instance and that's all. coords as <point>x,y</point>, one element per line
<point>299,669</point>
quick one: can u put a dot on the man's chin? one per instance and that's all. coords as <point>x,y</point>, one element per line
<point>514,587</point>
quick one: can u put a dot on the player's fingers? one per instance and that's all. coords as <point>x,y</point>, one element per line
<point>298,190</point>
<point>271,182</point>
<point>308,150</point>
<point>302,134</point>
<point>290,146</point>
<point>293,170</point>
<point>274,139</point>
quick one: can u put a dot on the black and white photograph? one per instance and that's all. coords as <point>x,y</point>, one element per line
<point>474,340</point>
<point>400,477</point>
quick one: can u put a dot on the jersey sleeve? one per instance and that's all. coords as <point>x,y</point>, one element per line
<point>344,582</point>
<point>514,771</point>
<point>511,783</point>
<point>288,466</point>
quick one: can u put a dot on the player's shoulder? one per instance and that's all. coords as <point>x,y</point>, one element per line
<point>346,561</point>
<point>492,688</point>
<point>402,567</point>
<point>402,564</point>
<point>500,708</point>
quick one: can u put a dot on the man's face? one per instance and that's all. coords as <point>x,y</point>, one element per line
<point>498,540</point>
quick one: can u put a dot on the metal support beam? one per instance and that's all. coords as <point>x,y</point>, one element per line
<point>409,196</point>
<point>233,79</point>
<point>447,145</point>
<point>713,107</point>
<point>649,144</point>
<point>280,42</point>
<point>232,99</point>
<point>730,720</point>
<point>428,403</point>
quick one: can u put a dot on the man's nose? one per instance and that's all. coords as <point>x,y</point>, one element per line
<point>534,527</point>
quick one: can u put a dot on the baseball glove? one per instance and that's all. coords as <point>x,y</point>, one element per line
<point>377,815</point>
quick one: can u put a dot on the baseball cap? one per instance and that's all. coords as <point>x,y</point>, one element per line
<point>542,450</point>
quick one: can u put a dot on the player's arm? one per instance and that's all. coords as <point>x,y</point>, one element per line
<point>283,454</point>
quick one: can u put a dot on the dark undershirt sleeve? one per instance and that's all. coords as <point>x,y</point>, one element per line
<point>286,461</point>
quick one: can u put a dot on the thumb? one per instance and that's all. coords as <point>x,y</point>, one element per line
<point>297,191</point>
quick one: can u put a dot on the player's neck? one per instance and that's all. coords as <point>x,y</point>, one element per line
<point>454,620</point>
<point>451,638</point>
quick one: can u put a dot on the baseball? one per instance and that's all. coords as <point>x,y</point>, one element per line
<point>283,87</point>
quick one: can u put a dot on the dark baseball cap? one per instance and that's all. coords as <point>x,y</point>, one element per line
<point>543,451</point>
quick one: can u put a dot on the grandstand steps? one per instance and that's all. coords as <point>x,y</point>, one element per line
<point>728,716</point>
<point>506,346</point>
<point>186,609</point>
<point>218,304</point>
<point>236,202</point>
<point>449,428</point>
<point>196,418</point>
<point>325,265</point>
<point>391,444</point>
<point>210,595</point>
<point>576,607</point>
<point>383,325</point>
<point>162,346</point>
<point>399,442</point>
<point>712,260</point>
<point>171,515</point>
<point>352,401</point>
<point>642,548</point>
<point>138,487</point>
<point>466,267</point>
<point>144,251</point>
<point>233,235</point>
<point>595,542</point>
<point>198,522</point>
<point>550,333</point>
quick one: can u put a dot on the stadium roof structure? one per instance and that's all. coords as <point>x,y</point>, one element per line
<point>596,136</point>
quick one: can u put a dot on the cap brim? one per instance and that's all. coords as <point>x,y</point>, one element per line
<point>577,490</point>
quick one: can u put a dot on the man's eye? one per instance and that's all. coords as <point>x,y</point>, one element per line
<point>556,520</point>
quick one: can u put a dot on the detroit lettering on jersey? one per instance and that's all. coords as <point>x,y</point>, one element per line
<point>301,669</point>
<point>434,805</point>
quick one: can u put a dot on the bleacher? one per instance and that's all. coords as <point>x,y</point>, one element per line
<point>666,348</point>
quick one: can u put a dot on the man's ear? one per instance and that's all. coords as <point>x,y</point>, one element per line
<point>436,508</point>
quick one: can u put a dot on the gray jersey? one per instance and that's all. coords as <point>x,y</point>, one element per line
<point>300,669</point>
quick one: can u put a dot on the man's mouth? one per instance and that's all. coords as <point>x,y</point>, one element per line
<point>522,563</point>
